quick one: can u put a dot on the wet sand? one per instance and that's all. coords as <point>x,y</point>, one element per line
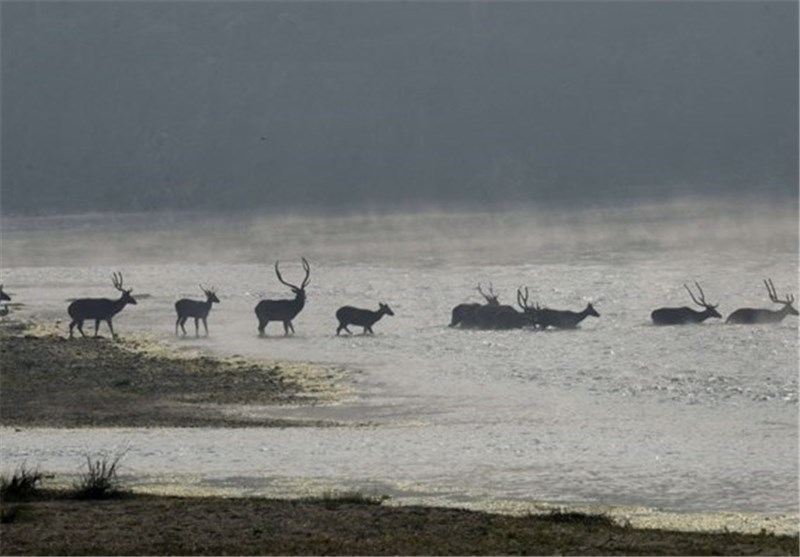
<point>49,380</point>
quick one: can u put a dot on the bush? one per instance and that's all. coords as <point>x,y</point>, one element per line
<point>100,480</point>
<point>22,485</point>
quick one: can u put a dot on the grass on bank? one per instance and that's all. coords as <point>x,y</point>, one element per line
<point>98,517</point>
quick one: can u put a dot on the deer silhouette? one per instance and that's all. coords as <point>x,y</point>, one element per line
<point>4,298</point>
<point>500,317</point>
<point>99,309</point>
<point>349,315</point>
<point>462,312</point>
<point>563,319</point>
<point>283,310</point>
<point>187,308</point>
<point>686,315</point>
<point>750,316</point>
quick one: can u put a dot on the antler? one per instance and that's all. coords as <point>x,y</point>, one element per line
<point>522,301</point>
<point>307,269</point>
<point>116,278</point>
<point>773,295</point>
<point>207,291</point>
<point>491,297</point>
<point>305,280</point>
<point>702,302</point>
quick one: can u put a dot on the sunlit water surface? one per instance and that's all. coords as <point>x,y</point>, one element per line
<point>697,421</point>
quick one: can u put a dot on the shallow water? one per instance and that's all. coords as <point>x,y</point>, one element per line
<point>700,419</point>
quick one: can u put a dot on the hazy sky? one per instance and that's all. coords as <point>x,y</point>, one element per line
<point>146,105</point>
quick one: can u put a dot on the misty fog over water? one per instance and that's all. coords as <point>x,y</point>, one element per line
<point>138,106</point>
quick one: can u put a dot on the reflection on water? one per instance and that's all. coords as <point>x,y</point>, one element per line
<point>689,419</point>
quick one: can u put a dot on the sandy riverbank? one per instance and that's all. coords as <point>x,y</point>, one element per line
<point>50,381</point>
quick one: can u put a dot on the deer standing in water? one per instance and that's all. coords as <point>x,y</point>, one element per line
<point>686,315</point>
<point>500,317</point>
<point>187,308</point>
<point>283,310</point>
<point>462,312</point>
<point>348,315</point>
<point>749,316</point>
<point>99,309</point>
<point>563,319</point>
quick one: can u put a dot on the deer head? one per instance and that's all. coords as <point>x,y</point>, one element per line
<point>709,308</point>
<point>490,297</point>
<point>211,294</point>
<point>299,291</point>
<point>773,296</point>
<point>116,279</point>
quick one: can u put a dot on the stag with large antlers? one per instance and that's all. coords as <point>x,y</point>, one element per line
<point>283,310</point>
<point>749,316</point>
<point>686,315</point>
<point>462,312</point>
<point>99,309</point>
<point>187,308</point>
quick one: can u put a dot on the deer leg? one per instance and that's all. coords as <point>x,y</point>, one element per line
<point>96,326</point>
<point>177,322</point>
<point>368,329</point>
<point>111,328</point>
<point>287,326</point>
<point>261,326</point>
<point>196,327</point>
<point>205,325</point>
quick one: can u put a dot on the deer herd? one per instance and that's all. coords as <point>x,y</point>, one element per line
<point>490,315</point>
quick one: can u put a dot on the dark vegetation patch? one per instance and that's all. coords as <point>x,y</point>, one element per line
<point>154,525</point>
<point>51,381</point>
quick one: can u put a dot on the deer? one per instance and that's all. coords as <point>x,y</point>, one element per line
<point>500,317</point>
<point>283,310</point>
<point>563,319</point>
<point>4,298</point>
<point>749,316</point>
<point>349,315</point>
<point>187,308</point>
<point>462,312</point>
<point>686,315</point>
<point>99,309</point>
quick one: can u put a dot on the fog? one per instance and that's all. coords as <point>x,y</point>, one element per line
<point>342,106</point>
<point>427,238</point>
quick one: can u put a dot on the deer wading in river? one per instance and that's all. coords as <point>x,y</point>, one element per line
<point>99,309</point>
<point>348,315</point>
<point>187,308</point>
<point>462,313</point>
<point>749,316</point>
<point>283,310</point>
<point>562,319</point>
<point>686,315</point>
